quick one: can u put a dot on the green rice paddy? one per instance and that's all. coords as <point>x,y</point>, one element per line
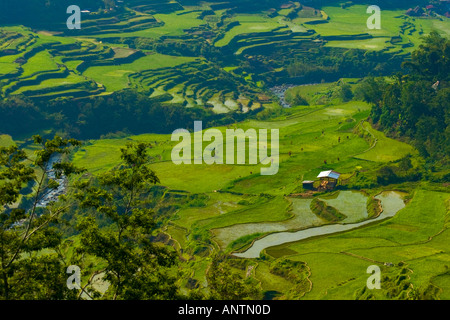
<point>241,205</point>
<point>299,135</point>
<point>116,77</point>
<point>100,54</point>
<point>236,213</point>
<point>384,149</point>
<point>415,237</point>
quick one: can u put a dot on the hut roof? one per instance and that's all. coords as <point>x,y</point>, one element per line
<point>329,174</point>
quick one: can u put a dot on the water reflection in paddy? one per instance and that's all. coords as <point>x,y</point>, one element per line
<point>391,202</point>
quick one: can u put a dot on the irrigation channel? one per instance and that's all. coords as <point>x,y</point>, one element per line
<point>391,201</point>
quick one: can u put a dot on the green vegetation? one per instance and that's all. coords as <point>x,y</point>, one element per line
<point>30,231</point>
<point>374,207</point>
<point>133,45</point>
<point>392,149</point>
<point>116,78</point>
<point>325,212</point>
<point>414,236</point>
<point>243,242</point>
<point>412,105</point>
<point>133,265</point>
<point>6,140</point>
<point>296,272</point>
<point>247,24</point>
<point>227,283</point>
<point>369,104</point>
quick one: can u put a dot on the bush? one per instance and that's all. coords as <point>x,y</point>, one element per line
<point>374,208</point>
<point>298,100</point>
<point>323,211</point>
<point>386,176</point>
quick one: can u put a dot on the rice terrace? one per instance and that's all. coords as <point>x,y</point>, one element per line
<point>352,121</point>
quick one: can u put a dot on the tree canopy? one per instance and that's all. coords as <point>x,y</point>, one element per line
<point>414,104</point>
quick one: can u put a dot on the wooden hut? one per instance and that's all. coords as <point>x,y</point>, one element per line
<point>308,185</point>
<point>328,179</point>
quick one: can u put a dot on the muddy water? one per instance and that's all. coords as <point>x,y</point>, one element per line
<point>391,202</point>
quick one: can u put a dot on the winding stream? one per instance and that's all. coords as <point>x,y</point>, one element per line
<point>280,92</point>
<point>51,195</point>
<point>391,201</point>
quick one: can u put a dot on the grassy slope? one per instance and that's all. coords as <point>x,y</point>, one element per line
<point>248,24</point>
<point>349,21</point>
<point>300,134</point>
<point>416,236</point>
<point>353,20</point>
<point>115,77</point>
<point>385,149</point>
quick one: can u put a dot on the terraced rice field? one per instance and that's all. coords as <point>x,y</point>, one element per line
<point>398,32</point>
<point>237,207</point>
<point>384,149</point>
<point>414,237</point>
<point>100,57</point>
<point>116,77</point>
<point>394,204</point>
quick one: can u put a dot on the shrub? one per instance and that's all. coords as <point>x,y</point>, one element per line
<point>374,208</point>
<point>323,211</point>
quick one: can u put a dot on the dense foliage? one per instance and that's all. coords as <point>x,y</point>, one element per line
<point>125,111</point>
<point>49,13</point>
<point>25,271</point>
<point>135,267</point>
<point>52,13</point>
<point>416,105</point>
<point>113,217</point>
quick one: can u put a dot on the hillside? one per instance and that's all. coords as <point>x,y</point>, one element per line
<point>223,57</point>
<point>123,150</point>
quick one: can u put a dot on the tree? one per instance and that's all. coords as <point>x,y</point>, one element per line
<point>25,232</point>
<point>432,59</point>
<point>416,105</point>
<point>19,115</point>
<point>134,267</point>
<point>386,176</point>
<point>226,284</point>
<point>299,100</point>
<point>346,93</point>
